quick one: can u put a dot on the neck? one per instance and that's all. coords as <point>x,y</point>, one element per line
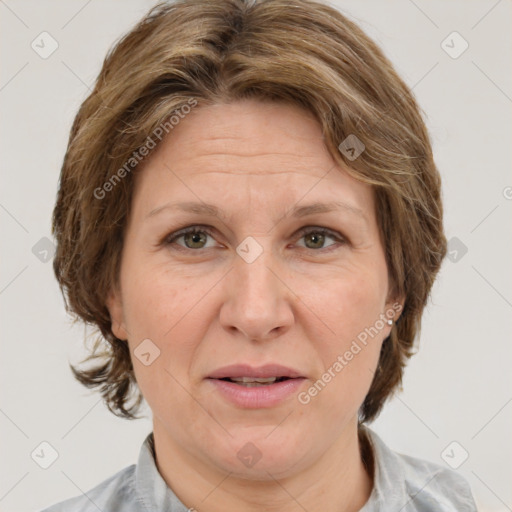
<point>341,480</point>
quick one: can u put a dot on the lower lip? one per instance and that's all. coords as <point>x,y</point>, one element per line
<point>257,397</point>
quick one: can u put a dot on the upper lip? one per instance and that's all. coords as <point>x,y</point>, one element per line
<point>245,370</point>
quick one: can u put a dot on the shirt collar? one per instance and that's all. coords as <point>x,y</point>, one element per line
<point>389,480</point>
<point>152,490</point>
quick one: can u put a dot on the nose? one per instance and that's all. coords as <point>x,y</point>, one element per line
<point>258,302</point>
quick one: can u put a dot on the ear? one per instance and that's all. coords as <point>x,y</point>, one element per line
<point>115,307</point>
<point>394,307</point>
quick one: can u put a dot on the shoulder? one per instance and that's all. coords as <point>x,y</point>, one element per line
<point>115,494</point>
<point>431,486</point>
<point>416,485</point>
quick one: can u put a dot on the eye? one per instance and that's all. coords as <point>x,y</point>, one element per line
<point>315,237</point>
<point>194,237</point>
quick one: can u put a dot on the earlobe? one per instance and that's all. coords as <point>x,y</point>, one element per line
<point>115,308</point>
<point>394,308</point>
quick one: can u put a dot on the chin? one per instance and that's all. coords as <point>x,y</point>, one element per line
<point>255,455</point>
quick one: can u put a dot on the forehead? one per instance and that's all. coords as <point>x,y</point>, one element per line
<point>268,131</point>
<point>255,151</point>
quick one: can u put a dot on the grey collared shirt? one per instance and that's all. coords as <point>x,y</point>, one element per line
<point>401,484</point>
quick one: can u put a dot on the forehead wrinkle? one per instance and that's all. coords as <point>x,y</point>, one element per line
<point>249,146</point>
<point>305,166</point>
<point>249,173</point>
<point>216,159</point>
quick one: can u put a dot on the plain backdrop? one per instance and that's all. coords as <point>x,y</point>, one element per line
<point>457,388</point>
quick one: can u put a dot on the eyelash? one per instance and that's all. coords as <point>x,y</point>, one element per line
<point>171,238</point>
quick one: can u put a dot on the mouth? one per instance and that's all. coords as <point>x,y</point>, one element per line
<point>251,382</point>
<point>245,373</point>
<point>256,392</point>
<point>252,387</point>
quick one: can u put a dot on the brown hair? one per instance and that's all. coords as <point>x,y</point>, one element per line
<point>301,51</point>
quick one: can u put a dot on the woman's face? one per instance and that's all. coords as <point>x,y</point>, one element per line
<point>269,280</point>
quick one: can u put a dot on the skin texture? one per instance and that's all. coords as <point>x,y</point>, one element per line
<point>301,303</point>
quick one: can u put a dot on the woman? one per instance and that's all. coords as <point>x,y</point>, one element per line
<point>250,213</point>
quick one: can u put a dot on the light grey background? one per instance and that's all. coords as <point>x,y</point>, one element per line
<point>457,388</point>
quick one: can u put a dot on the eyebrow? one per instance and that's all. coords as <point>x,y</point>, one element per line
<point>297,212</point>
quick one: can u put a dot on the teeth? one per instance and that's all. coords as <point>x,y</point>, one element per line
<point>251,380</point>
<point>254,384</point>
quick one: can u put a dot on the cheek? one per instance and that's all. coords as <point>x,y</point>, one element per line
<point>351,307</point>
<point>168,309</point>
<point>348,301</point>
<point>155,299</point>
